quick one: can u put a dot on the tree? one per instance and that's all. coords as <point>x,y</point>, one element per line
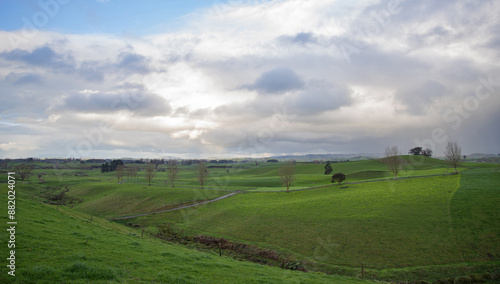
<point>24,171</point>
<point>338,177</point>
<point>453,154</point>
<point>150,173</point>
<point>393,160</point>
<point>427,152</point>
<point>120,170</point>
<point>415,151</point>
<point>287,174</point>
<point>131,172</point>
<point>328,169</point>
<point>172,171</point>
<point>202,173</point>
<point>105,168</point>
<point>114,164</point>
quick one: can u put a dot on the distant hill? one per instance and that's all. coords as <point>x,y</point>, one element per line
<point>481,156</point>
<point>327,157</point>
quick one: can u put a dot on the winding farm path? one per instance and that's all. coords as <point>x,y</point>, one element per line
<point>177,208</point>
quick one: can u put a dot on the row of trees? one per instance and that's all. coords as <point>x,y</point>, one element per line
<point>173,173</point>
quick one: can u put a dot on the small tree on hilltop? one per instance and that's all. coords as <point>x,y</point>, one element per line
<point>338,177</point>
<point>427,152</point>
<point>393,160</point>
<point>453,154</point>
<point>287,174</point>
<point>328,169</point>
<point>415,151</point>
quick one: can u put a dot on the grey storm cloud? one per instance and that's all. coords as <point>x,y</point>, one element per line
<point>133,62</point>
<point>320,96</point>
<point>44,57</point>
<point>277,81</point>
<point>418,98</point>
<point>302,38</point>
<point>24,78</point>
<point>91,70</point>
<point>135,101</point>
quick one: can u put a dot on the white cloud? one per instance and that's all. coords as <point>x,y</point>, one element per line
<point>346,78</point>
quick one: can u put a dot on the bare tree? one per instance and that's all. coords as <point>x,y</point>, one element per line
<point>172,171</point>
<point>202,173</point>
<point>453,153</point>
<point>393,160</point>
<point>131,172</point>
<point>23,170</point>
<point>287,174</point>
<point>120,170</point>
<point>150,173</point>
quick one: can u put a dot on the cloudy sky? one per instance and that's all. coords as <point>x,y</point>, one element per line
<point>247,78</point>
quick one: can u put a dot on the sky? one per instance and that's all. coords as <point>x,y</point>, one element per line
<point>226,79</point>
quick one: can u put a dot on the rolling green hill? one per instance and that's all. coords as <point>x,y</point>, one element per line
<point>427,225</point>
<point>390,224</point>
<point>65,246</point>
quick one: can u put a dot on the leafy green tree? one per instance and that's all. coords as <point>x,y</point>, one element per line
<point>427,152</point>
<point>114,164</point>
<point>105,167</point>
<point>328,169</point>
<point>338,177</point>
<point>415,151</point>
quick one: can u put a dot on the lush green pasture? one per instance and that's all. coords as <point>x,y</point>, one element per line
<point>64,246</point>
<point>364,223</point>
<point>475,214</point>
<point>265,176</point>
<point>109,199</point>
<point>384,225</point>
<point>112,200</point>
<point>430,226</point>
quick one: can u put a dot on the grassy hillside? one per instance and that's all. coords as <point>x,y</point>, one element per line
<point>390,224</point>
<point>109,199</point>
<point>62,245</point>
<point>358,222</point>
<point>431,226</point>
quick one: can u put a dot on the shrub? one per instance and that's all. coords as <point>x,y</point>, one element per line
<point>463,280</point>
<point>477,278</point>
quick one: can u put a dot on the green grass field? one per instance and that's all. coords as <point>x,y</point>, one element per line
<point>425,225</point>
<point>65,246</point>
